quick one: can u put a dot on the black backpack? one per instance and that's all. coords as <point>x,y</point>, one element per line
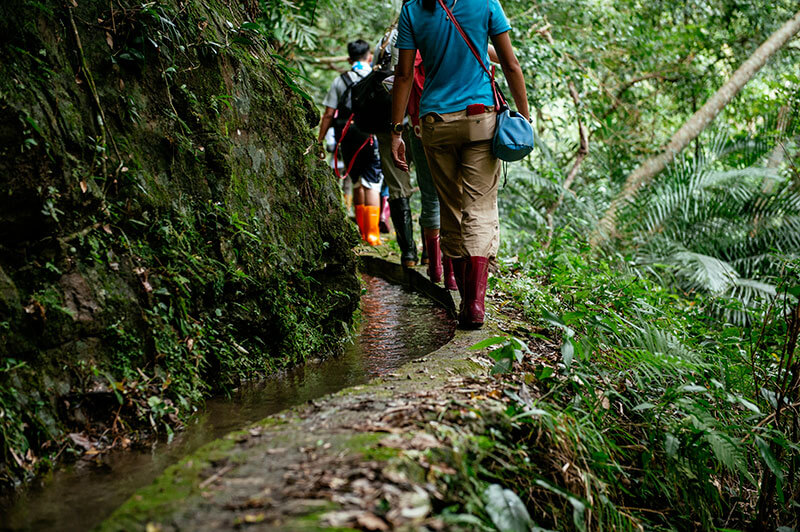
<point>348,134</point>
<point>371,101</point>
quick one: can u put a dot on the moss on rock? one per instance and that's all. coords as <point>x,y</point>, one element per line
<point>163,231</point>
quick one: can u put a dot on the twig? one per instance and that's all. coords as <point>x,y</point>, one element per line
<point>83,232</point>
<point>93,88</point>
<point>216,476</point>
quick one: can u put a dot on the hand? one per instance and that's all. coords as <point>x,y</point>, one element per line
<point>399,152</point>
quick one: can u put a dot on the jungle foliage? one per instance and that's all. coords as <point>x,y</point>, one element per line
<point>674,404</point>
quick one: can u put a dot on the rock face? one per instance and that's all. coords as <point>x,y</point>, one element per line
<point>163,230</point>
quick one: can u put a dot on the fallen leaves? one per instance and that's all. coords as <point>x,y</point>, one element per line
<point>36,309</point>
<point>250,519</point>
<point>371,522</point>
<point>81,441</point>
<point>421,441</point>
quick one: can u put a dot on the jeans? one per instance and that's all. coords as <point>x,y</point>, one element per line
<point>429,218</point>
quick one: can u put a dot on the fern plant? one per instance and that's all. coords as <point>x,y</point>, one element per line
<point>722,231</point>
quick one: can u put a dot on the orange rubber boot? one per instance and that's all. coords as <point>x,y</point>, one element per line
<point>361,215</point>
<point>372,219</point>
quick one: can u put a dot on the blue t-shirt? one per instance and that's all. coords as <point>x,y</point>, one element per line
<point>453,77</point>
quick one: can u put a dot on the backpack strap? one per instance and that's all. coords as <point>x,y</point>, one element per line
<point>381,58</point>
<point>348,86</point>
<point>348,82</point>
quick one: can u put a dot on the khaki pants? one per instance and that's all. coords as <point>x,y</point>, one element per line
<point>398,181</point>
<point>466,175</point>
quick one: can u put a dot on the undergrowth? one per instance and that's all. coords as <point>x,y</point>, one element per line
<point>655,415</point>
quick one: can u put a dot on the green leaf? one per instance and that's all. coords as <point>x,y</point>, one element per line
<point>693,388</point>
<point>553,319</point>
<point>503,352</point>
<point>502,366</point>
<point>567,351</point>
<point>748,405</point>
<point>242,40</point>
<point>578,505</point>
<point>465,519</point>
<point>532,412</point>
<point>545,373</point>
<point>671,445</point>
<point>794,291</point>
<point>488,342</point>
<point>643,406</point>
<point>506,510</point>
<point>769,458</point>
<point>726,451</point>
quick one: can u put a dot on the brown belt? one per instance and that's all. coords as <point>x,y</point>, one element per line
<point>471,110</point>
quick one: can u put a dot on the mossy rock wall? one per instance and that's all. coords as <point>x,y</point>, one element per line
<point>164,230</point>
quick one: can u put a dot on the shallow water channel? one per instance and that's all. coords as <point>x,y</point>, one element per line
<point>397,326</point>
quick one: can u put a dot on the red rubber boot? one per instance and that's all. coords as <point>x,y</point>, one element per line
<point>449,274</point>
<point>473,311</point>
<point>434,255</point>
<point>459,272</point>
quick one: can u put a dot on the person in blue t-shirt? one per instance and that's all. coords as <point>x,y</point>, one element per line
<point>458,116</point>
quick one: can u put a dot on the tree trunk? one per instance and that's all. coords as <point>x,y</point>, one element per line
<point>583,152</point>
<point>694,126</point>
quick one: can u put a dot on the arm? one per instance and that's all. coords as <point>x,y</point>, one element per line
<point>493,55</point>
<point>512,71</point>
<point>325,124</point>
<point>403,79</point>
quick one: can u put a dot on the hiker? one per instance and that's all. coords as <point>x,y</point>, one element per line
<point>358,151</point>
<point>458,118</point>
<point>429,217</point>
<point>398,181</point>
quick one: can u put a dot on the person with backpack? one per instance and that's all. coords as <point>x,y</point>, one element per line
<point>357,149</point>
<point>458,111</point>
<point>399,181</point>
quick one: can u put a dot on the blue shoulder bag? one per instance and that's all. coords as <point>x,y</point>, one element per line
<point>513,138</point>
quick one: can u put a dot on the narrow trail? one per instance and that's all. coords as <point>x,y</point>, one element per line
<point>398,324</point>
<point>329,463</point>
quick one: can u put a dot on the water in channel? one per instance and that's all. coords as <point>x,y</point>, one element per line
<point>397,326</point>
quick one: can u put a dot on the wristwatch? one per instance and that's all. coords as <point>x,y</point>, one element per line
<point>397,128</point>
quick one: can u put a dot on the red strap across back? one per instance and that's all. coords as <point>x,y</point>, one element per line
<point>355,156</point>
<point>498,98</point>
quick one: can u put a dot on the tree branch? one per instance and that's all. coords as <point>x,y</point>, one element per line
<point>583,151</point>
<point>694,126</point>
